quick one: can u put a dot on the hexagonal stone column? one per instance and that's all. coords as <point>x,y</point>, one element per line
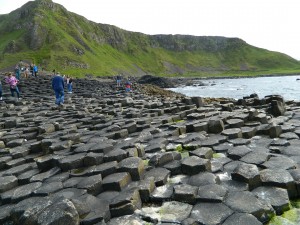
<point>134,166</point>
<point>247,173</point>
<point>193,165</point>
<point>116,181</point>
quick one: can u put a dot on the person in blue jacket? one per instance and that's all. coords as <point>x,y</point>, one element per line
<point>58,87</point>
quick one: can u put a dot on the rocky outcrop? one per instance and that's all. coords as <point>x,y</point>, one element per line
<point>108,156</point>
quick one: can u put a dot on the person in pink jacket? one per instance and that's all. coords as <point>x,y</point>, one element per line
<point>12,81</point>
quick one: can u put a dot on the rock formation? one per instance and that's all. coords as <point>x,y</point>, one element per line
<point>108,156</point>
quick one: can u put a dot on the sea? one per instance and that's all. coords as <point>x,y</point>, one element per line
<point>286,86</point>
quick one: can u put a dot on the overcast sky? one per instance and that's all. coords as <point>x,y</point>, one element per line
<point>269,24</point>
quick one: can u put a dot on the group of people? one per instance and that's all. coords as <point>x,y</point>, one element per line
<point>127,83</point>
<point>12,79</point>
<point>58,86</point>
<point>58,82</point>
<point>25,69</point>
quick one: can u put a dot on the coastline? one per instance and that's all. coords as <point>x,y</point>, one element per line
<point>109,156</point>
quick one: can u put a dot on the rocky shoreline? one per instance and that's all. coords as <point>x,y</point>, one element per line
<point>145,157</point>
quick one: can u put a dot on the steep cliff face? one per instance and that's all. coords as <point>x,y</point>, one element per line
<point>46,33</point>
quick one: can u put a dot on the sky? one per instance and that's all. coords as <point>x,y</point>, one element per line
<point>268,24</point>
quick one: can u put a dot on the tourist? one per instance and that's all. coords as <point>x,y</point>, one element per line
<point>0,91</point>
<point>128,86</point>
<point>18,69</point>
<point>58,87</point>
<point>12,81</point>
<point>35,70</point>
<point>31,70</point>
<point>118,79</point>
<point>69,84</point>
<point>26,72</point>
<point>17,72</point>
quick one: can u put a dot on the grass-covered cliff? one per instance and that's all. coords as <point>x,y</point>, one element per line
<point>46,33</point>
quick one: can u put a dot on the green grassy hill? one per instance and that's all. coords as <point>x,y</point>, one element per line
<point>47,34</point>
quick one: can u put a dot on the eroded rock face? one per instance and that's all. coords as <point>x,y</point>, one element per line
<point>112,157</point>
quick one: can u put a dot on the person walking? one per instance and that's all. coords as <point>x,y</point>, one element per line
<point>128,85</point>
<point>0,91</point>
<point>19,69</point>
<point>13,85</point>
<point>58,86</point>
<point>31,69</point>
<point>26,72</point>
<point>119,79</point>
<point>35,70</point>
<point>69,84</point>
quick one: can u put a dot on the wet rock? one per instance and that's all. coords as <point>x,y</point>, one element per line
<point>236,201</point>
<point>277,197</point>
<point>280,162</point>
<point>242,219</point>
<point>279,178</point>
<point>210,213</point>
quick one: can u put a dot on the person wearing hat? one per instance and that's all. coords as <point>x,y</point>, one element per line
<point>58,87</point>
